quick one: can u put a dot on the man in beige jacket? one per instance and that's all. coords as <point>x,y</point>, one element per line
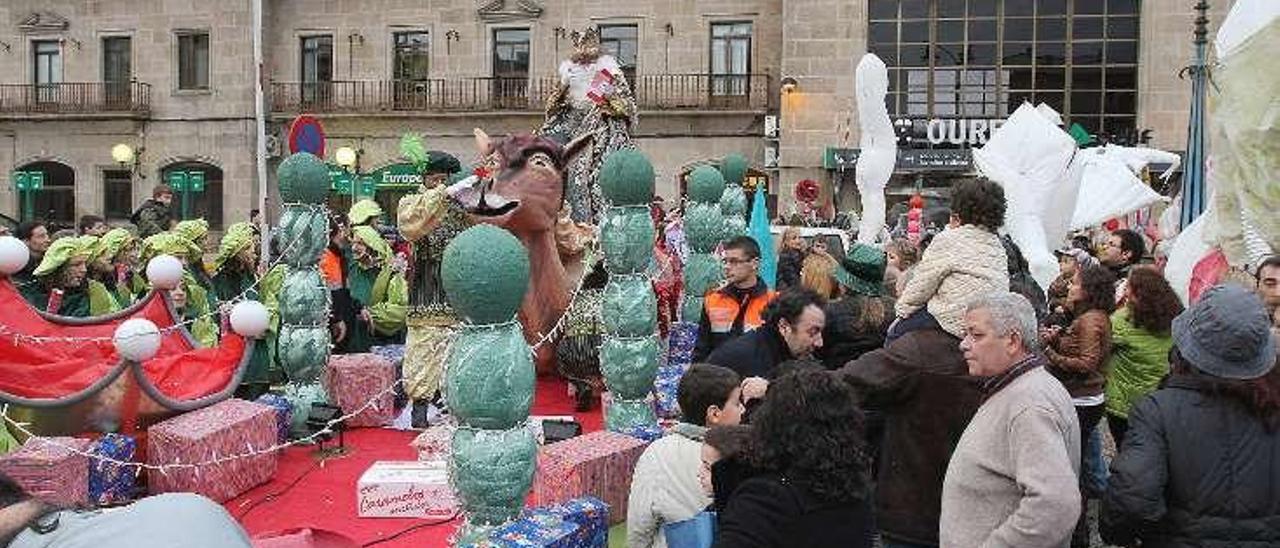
<point>1012,480</point>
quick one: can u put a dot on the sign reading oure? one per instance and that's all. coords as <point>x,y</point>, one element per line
<point>961,131</point>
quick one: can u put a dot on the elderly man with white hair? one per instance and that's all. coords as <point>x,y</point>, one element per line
<point>1012,478</point>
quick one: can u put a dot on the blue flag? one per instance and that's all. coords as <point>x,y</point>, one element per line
<point>758,229</point>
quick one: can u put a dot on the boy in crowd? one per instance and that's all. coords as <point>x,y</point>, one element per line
<point>665,486</point>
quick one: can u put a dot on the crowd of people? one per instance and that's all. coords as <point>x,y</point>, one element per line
<point>931,394</point>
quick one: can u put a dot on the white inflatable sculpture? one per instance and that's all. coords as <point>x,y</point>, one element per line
<point>1032,159</point>
<point>1109,184</point>
<point>878,142</point>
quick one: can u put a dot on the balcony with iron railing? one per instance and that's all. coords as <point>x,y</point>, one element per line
<point>72,99</point>
<point>657,92</point>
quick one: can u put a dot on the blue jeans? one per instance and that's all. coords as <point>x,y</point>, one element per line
<point>1094,471</point>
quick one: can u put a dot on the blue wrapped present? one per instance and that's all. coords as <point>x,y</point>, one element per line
<point>680,343</point>
<point>578,523</point>
<point>666,389</point>
<point>592,518</point>
<point>284,413</point>
<point>392,352</point>
<point>111,483</point>
<point>646,432</point>
<point>535,529</point>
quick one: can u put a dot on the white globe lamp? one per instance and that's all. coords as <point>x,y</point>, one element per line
<point>137,339</point>
<point>249,319</point>
<point>13,255</point>
<point>164,272</point>
<point>345,156</point>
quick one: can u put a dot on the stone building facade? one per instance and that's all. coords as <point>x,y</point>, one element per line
<point>179,88</point>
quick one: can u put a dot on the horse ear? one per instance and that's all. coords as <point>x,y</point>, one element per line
<point>483,143</point>
<point>574,147</point>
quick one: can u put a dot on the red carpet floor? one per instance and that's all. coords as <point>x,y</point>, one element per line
<point>324,495</point>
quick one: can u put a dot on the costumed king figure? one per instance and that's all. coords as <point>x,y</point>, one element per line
<point>429,220</point>
<point>594,99</point>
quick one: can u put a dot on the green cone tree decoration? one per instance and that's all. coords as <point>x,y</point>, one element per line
<point>734,201</point>
<point>630,353</point>
<point>303,341</point>
<point>489,378</point>
<point>703,228</point>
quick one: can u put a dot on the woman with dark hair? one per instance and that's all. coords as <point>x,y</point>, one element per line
<point>1076,356</point>
<point>1140,343</point>
<point>725,464</point>
<point>857,313</point>
<point>1199,464</point>
<point>814,489</point>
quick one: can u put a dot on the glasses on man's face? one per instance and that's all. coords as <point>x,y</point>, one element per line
<point>734,261</point>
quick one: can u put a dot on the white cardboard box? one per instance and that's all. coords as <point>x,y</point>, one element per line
<point>406,489</point>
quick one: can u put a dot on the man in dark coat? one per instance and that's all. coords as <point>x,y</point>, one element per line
<point>792,328</point>
<point>921,385</point>
<point>154,216</point>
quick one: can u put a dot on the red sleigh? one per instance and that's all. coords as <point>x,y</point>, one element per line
<point>65,378</point>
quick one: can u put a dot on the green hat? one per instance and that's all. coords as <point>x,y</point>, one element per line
<point>371,239</point>
<point>363,210</point>
<point>192,229</point>
<point>63,250</point>
<point>441,163</point>
<point>168,243</point>
<point>110,244</point>
<point>237,237</point>
<point>863,270</point>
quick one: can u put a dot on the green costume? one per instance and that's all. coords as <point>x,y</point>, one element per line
<point>379,289</point>
<point>232,280</point>
<point>198,298</point>
<point>196,231</point>
<point>1139,360</point>
<point>91,299</point>
<point>364,210</point>
<point>107,249</point>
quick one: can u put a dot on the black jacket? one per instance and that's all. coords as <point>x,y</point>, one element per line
<point>790,262</point>
<point>769,511</point>
<point>844,338</point>
<point>756,353</point>
<point>1196,469</point>
<point>920,384</point>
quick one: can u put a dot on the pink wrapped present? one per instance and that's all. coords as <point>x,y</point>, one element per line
<point>227,428</point>
<point>354,379</point>
<point>50,470</point>
<point>598,464</point>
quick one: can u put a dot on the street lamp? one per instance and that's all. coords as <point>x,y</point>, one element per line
<point>789,84</point>
<point>346,157</point>
<point>122,154</point>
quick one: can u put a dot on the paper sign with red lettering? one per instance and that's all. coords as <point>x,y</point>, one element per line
<point>409,489</point>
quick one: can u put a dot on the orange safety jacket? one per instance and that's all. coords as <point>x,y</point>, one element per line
<point>727,313</point>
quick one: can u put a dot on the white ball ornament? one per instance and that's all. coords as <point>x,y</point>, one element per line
<point>13,255</point>
<point>137,339</point>
<point>249,319</point>
<point>164,272</point>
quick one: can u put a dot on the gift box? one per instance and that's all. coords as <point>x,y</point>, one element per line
<point>579,523</point>
<point>411,489</point>
<point>434,444</point>
<point>355,379</point>
<point>53,470</point>
<point>666,391</point>
<point>225,429</point>
<point>111,483</point>
<point>284,413</point>
<point>598,464</point>
<point>680,343</point>
<point>643,432</point>
<point>393,353</point>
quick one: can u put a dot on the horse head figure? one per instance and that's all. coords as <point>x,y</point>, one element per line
<point>522,188</point>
